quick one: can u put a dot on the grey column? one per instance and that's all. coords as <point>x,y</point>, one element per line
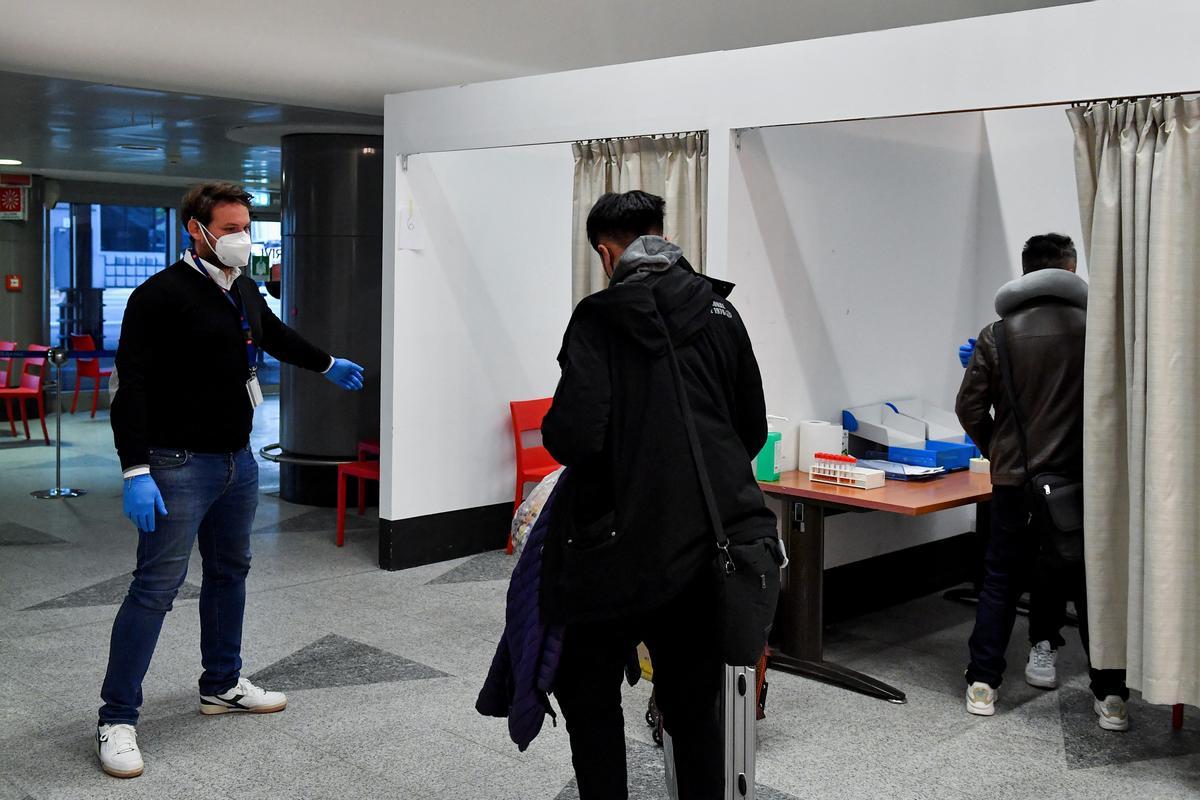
<point>332,206</point>
<point>22,248</point>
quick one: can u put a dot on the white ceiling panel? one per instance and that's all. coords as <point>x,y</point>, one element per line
<point>348,54</point>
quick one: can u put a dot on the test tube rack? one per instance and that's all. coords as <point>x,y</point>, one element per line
<point>840,470</point>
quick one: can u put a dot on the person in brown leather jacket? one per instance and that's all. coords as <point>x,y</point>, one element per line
<point>1045,319</point>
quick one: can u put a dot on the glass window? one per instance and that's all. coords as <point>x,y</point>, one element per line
<point>100,253</point>
<point>268,241</point>
<point>130,229</point>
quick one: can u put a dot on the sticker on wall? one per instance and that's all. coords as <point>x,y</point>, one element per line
<point>410,230</point>
<point>410,233</point>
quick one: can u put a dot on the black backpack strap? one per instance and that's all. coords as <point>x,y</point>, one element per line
<point>710,500</point>
<point>1010,389</point>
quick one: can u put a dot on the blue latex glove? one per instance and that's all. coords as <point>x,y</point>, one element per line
<point>965,352</point>
<point>142,498</point>
<point>346,374</point>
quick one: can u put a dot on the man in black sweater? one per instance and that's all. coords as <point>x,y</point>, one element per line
<point>632,550</point>
<point>181,420</point>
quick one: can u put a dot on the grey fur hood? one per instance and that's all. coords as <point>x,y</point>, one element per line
<point>1046,283</point>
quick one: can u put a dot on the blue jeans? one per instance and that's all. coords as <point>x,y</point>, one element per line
<point>211,498</point>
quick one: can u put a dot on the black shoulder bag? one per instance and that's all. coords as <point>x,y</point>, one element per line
<point>746,573</point>
<point>1056,498</point>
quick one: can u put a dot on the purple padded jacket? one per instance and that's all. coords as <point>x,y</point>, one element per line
<point>526,661</point>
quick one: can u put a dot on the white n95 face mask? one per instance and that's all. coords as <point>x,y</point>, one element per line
<point>233,249</point>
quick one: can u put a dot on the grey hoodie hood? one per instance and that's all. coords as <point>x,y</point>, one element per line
<point>646,254</point>
<point>654,294</point>
<point>1045,283</point>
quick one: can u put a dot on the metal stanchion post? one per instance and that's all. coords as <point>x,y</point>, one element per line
<point>57,356</point>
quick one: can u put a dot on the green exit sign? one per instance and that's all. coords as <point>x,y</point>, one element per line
<point>260,267</point>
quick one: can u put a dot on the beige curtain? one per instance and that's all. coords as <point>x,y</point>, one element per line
<point>1138,169</point>
<point>674,167</point>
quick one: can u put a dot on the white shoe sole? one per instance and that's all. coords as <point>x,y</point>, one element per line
<point>123,774</point>
<point>981,711</point>
<point>1041,683</point>
<point>210,710</point>
<point>1109,724</point>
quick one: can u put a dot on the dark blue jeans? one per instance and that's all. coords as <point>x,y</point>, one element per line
<point>1019,554</point>
<point>210,498</point>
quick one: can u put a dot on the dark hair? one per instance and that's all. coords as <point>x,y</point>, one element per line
<point>624,217</point>
<point>1047,251</point>
<point>199,202</point>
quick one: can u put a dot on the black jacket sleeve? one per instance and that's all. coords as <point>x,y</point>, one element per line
<point>575,428</point>
<point>750,409</point>
<point>974,403</point>
<point>135,360</point>
<point>281,341</point>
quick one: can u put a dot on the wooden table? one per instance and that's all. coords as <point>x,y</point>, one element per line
<point>800,621</point>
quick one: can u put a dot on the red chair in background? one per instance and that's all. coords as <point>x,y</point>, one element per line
<point>364,471</point>
<point>5,373</point>
<point>533,463</point>
<point>87,368</point>
<point>33,377</point>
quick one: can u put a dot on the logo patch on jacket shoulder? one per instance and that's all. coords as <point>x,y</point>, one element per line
<point>721,310</point>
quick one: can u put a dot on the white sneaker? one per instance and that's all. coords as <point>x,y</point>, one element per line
<point>118,750</point>
<point>244,697</point>
<point>1041,670</point>
<point>981,699</point>
<point>1112,713</point>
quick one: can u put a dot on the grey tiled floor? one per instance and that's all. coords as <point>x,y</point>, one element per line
<point>383,669</point>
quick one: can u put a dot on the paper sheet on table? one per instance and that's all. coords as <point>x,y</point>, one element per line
<point>907,470</point>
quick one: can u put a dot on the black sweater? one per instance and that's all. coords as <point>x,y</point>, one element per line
<point>181,365</point>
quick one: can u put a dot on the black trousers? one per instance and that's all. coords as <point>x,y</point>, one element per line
<point>1019,552</point>
<point>688,680</point>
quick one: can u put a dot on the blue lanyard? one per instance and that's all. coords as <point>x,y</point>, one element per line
<point>251,350</point>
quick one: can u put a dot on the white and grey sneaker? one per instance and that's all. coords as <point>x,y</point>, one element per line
<point>118,750</point>
<point>1041,670</point>
<point>244,697</point>
<point>1112,713</point>
<point>981,699</point>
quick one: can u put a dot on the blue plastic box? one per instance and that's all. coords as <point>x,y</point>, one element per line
<point>949,455</point>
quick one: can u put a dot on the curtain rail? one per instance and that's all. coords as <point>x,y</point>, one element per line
<point>1129,99</point>
<point>1012,107</point>
<point>643,136</point>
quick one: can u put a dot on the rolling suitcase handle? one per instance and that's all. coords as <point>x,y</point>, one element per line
<point>739,709</point>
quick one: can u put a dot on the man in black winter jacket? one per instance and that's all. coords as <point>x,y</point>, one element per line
<point>634,550</point>
<point>1045,315</point>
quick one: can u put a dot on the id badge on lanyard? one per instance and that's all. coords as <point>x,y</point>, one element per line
<point>253,388</point>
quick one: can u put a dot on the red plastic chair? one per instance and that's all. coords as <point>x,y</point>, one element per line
<point>33,376</point>
<point>5,377</point>
<point>364,471</point>
<point>367,448</point>
<point>87,368</point>
<point>533,463</point>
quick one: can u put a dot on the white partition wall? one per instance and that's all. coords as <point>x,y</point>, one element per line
<point>478,317</point>
<point>452,310</point>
